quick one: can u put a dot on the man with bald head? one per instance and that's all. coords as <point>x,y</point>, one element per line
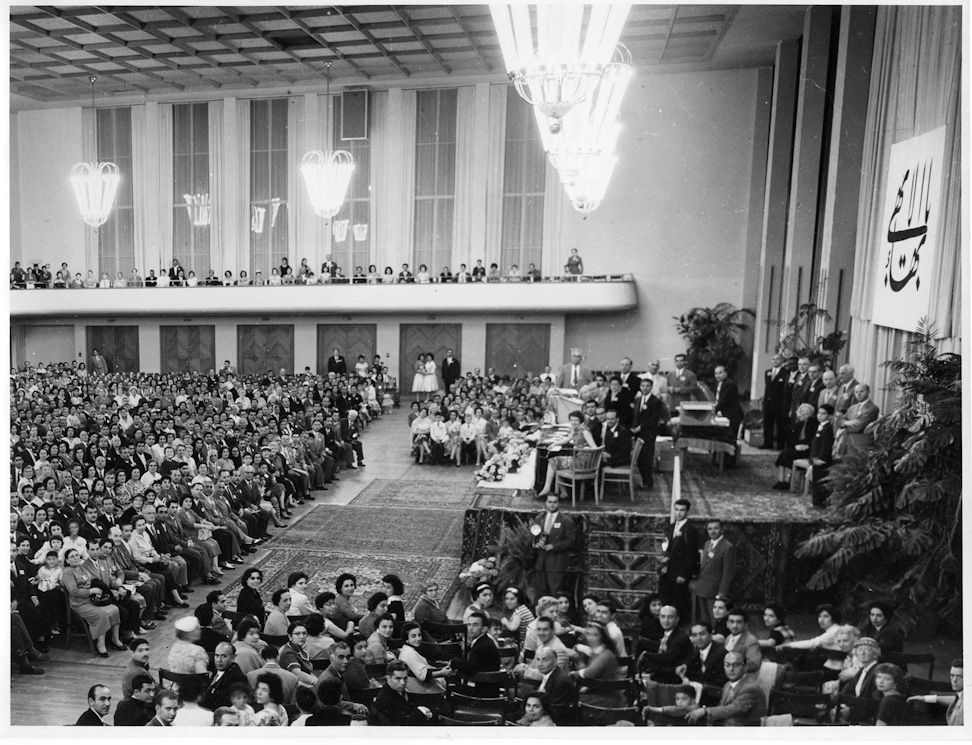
<point>742,703</point>
<point>674,650</point>
<point>629,378</point>
<point>226,674</point>
<point>574,374</point>
<point>859,415</point>
<point>548,678</point>
<point>846,384</point>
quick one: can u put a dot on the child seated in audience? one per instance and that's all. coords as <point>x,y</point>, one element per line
<point>684,703</point>
<point>240,699</point>
<point>49,575</point>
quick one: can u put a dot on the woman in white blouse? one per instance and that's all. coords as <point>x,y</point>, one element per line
<point>828,618</point>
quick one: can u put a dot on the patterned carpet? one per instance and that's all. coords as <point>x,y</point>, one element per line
<point>438,495</point>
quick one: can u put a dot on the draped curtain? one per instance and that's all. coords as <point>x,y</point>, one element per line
<point>89,153</point>
<point>394,158</point>
<point>217,177</point>
<point>495,157</point>
<point>296,128</point>
<point>915,88</point>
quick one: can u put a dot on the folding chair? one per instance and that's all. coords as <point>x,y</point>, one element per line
<point>800,470</point>
<point>179,678</point>
<point>622,474</point>
<point>600,716</point>
<point>445,632</point>
<point>276,641</point>
<point>71,621</point>
<point>478,708</point>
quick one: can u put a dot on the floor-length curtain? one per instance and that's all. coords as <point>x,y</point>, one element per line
<point>89,153</point>
<point>915,88</point>
<point>394,158</point>
<point>217,178</point>
<point>296,128</point>
<point>495,150</point>
<point>152,185</point>
<point>237,151</point>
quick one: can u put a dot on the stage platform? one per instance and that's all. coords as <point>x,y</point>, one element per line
<point>619,543</point>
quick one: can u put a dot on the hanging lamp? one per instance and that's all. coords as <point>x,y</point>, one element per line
<point>95,184</point>
<point>562,64</point>
<point>327,174</point>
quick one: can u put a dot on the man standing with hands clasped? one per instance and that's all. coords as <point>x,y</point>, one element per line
<point>554,535</point>
<point>681,560</point>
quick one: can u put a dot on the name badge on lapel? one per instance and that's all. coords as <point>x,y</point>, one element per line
<point>556,525</point>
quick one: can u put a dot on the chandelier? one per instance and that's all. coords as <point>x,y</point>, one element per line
<point>327,175</point>
<point>563,64</point>
<point>198,207</point>
<point>95,184</point>
<point>583,151</point>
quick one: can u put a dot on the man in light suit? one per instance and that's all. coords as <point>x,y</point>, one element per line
<point>716,571</point>
<point>742,641</point>
<point>775,408</point>
<point>847,383</point>
<point>574,374</point>
<point>681,560</point>
<point>451,369</point>
<point>553,546</point>
<point>682,384</point>
<point>649,414</point>
<point>742,704</point>
<point>855,421</point>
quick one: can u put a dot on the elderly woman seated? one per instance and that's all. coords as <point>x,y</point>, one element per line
<point>799,446</point>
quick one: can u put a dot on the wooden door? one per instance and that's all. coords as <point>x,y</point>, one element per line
<point>188,348</point>
<point>517,349</point>
<point>351,339</point>
<point>422,338</point>
<point>118,345</point>
<point>262,348</point>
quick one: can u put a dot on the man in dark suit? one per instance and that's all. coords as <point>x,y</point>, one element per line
<point>209,638</point>
<point>629,378</point>
<point>616,440</point>
<point>226,674</point>
<point>619,399</point>
<point>480,656</point>
<point>553,680</point>
<point>328,712</point>
<point>705,664</point>
<point>391,708</point>
<point>822,455</point>
<point>674,650</point>
<point>340,656</point>
<point>729,406</point>
<point>166,708</point>
<point>99,702</point>
<point>680,562</point>
<point>451,369</point>
<point>799,383</point>
<point>554,543</point>
<point>815,384</point>
<point>137,710</point>
<point>336,364</point>
<point>648,415</point>
<point>775,407</point>
<point>863,685</point>
<point>742,704</point>
<point>90,528</point>
<point>716,571</point>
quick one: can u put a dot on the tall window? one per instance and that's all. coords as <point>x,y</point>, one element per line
<point>523,186</point>
<point>268,184</point>
<point>351,227</point>
<point>190,178</point>
<point>116,238</point>
<point>435,177</point>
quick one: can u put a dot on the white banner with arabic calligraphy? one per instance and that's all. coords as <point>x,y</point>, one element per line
<point>909,231</point>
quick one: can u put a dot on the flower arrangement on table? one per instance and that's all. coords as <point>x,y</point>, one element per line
<point>507,454</point>
<point>481,570</point>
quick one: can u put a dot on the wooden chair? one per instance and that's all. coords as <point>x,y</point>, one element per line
<point>321,664</point>
<point>916,686</point>
<point>622,474</point>
<point>445,632</point>
<point>441,651</point>
<point>600,716</point>
<point>477,707</point>
<point>625,685</point>
<point>585,465</point>
<point>376,670</point>
<point>71,621</point>
<point>800,465</point>
<point>801,682</point>
<point>805,708</point>
<point>364,696</point>
<point>450,722</point>
<point>862,710</point>
<point>926,715</point>
<point>180,678</point>
<point>564,715</point>
<point>435,702</point>
<point>644,644</point>
<point>711,695</point>
<point>903,659</point>
<point>276,641</point>
<point>500,679</point>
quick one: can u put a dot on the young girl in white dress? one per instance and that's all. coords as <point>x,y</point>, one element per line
<point>418,382</point>
<point>431,384</point>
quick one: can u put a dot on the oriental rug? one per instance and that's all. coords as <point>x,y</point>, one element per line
<point>439,495</point>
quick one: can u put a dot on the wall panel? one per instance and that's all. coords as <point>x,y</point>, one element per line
<point>352,339</point>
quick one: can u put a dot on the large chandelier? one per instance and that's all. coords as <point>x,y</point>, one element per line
<point>583,151</point>
<point>562,65</point>
<point>95,184</point>
<point>327,174</point>
<point>199,208</point>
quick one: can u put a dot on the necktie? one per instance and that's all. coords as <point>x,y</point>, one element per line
<point>573,377</point>
<point>548,525</point>
<point>663,644</point>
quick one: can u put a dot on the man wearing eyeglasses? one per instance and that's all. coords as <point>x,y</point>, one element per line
<point>742,703</point>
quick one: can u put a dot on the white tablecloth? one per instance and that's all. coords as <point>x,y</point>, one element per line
<point>522,479</point>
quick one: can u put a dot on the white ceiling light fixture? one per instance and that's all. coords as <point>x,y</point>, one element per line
<point>327,174</point>
<point>562,64</point>
<point>584,150</point>
<point>95,184</point>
